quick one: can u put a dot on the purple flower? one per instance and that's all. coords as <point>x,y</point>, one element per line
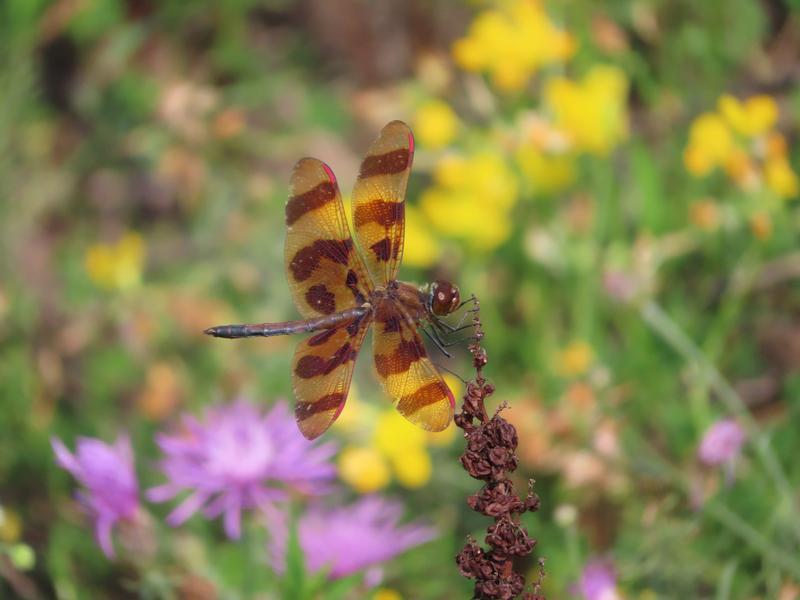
<point>348,539</point>
<point>597,582</point>
<point>621,286</point>
<point>721,443</point>
<point>234,459</point>
<point>107,473</point>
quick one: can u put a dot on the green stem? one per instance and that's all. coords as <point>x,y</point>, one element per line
<point>248,581</point>
<point>780,557</point>
<point>660,321</point>
<point>726,581</point>
<point>754,539</point>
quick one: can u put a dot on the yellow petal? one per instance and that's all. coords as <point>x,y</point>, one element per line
<point>575,359</point>
<point>412,468</point>
<point>780,178</point>
<point>592,112</point>
<point>10,525</point>
<point>364,469</point>
<point>711,144</point>
<point>395,436</point>
<point>116,266</point>
<point>511,43</point>
<point>547,174</point>
<point>421,247</point>
<point>754,117</point>
<point>387,594</point>
<point>435,124</point>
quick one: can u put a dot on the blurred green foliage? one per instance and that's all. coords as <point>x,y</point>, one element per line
<point>631,296</point>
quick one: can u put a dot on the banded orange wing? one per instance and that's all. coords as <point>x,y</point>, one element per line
<point>379,200</point>
<point>325,273</point>
<point>407,374</point>
<point>321,372</point>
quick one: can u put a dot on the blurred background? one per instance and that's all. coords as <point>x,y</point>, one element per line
<point>615,181</point>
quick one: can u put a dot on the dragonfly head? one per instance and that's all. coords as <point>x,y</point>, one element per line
<point>444,298</point>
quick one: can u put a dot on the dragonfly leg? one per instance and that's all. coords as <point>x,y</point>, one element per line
<point>434,337</point>
<point>453,373</point>
<point>460,325</point>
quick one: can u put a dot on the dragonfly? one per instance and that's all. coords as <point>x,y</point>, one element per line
<point>342,289</point>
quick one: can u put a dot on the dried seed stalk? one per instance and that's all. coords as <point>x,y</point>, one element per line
<point>490,456</point>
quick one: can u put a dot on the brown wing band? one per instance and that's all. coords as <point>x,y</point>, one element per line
<point>389,163</point>
<point>314,198</point>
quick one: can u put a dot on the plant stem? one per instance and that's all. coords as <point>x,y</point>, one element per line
<point>490,456</point>
<point>722,514</point>
<point>671,333</point>
<point>749,534</point>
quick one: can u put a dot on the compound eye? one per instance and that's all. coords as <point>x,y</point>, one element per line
<point>444,298</point>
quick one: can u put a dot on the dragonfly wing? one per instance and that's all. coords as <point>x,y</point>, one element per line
<point>325,272</point>
<point>379,201</point>
<point>321,372</point>
<point>409,377</point>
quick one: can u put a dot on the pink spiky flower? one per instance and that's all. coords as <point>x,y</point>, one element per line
<point>111,490</point>
<point>597,582</point>
<point>235,458</point>
<point>347,539</point>
<point>721,443</point>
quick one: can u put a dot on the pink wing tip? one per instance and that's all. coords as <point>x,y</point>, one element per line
<point>450,396</point>
<point>410,142</point>
<point>329,172</point>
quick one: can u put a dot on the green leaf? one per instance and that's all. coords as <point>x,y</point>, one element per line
<point>294,580</point>
<point>648,188</point>
<point>340,588</point>
<point>95,18</point>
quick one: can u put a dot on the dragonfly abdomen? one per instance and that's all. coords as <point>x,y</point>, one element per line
<point>287,327</point>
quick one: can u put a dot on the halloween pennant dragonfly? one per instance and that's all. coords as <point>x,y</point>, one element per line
<point>340,291</point>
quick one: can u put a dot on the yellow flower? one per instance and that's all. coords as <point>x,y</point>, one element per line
<point>421,247</point>
<point>413,467</point>
<point>472,199</point>
<point>456,385</point>
<point>403,444</point>
<point>395,435</point>
<point>547,174</point>
<point>750,118</point>
<point>10,525</point>
<point>575,359</point>
<point>741,169</point>
<point>364,469</point>
<point>116,266</point>
<point>778,173</point>
<point>387,594</point>
<point>356,414</point>
<point>391,447</point>
<point>512,43</point>
<point>781,178</point>
<point>435,124</point>
<point>711,144</point>
<point>592,112</point>
<point>721,140</point>
<point>443,438</point>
